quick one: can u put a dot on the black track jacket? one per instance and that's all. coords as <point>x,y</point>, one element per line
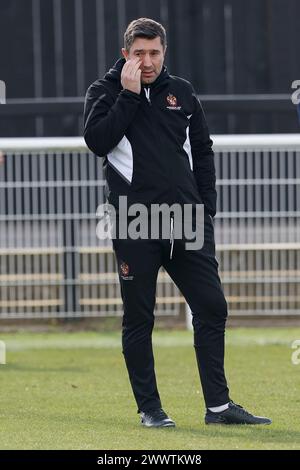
<point>156,144</point>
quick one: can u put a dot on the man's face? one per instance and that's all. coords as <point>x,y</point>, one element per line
<point>151,53</point>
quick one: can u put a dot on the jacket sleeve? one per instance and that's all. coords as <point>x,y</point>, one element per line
<point>106,119</point>
<point>203,158</point>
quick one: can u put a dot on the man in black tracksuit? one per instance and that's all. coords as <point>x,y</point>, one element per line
<point>150,129</point>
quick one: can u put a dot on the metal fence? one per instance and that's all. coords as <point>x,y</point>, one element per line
<point>257,227</point>
<point>51,262</point>
<point>53,265</point>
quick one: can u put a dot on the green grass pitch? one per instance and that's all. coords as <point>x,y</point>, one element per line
<point>71,391</point>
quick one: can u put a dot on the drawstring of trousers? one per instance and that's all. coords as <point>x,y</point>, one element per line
<point>171,236</point>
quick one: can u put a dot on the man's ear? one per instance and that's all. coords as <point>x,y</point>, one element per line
<point>124,53</point>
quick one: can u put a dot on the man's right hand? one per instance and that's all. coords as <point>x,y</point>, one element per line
<point>131,75</point>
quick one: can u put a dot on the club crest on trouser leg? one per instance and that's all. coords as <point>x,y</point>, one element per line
<point>124,271</point>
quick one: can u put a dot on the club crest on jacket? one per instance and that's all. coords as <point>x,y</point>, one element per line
<point>172,101</point>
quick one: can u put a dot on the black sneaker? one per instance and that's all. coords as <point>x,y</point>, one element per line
<point>156,419</point>
<point>235,414</point>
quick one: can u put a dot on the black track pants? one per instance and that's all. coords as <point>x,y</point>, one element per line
<point>196,275</point>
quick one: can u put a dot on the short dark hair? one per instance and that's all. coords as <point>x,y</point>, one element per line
<point>144,28</point>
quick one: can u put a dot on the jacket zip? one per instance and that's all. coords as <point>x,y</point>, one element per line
<point>147,93</point>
